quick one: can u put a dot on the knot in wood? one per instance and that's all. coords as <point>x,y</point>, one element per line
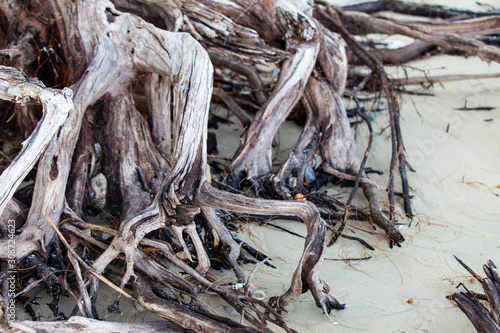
<point>185,214</point>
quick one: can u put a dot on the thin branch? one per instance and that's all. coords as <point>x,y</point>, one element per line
<point>87,266</point>
<point>441,78</point>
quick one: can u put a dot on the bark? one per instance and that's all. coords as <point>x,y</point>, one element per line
<point>176,313</point>
<point>306,276</point>
<point>484,318</point>
<point>14,210</point>
<point>397,56</point>
<point>252,76</point>
<point>131,163</point>
<point>57,104</point>
<point>408,8</point>
<point>457,36</point>
<point>159,97</point>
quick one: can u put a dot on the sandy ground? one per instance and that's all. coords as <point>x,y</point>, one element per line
<point>456,155</point>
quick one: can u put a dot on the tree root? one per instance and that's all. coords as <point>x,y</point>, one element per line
<point>153,174</point>
<point>485,319</point>
<point>77,324</point>
<point>306,275</point>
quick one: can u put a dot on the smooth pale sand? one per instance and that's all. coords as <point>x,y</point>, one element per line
<point>456,204</point>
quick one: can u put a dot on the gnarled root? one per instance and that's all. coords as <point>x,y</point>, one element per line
<point>326,115</point>
<point>253,159</point>
<point>175,312</point>
<point>378,217</point>
<point>306,275</point>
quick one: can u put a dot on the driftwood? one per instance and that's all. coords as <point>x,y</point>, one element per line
<point>16,87</point>
<point>82,324</point>
<point>126,60</point>
<point>483,310</point>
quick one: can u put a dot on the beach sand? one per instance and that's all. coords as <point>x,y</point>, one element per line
<point>456,156</point>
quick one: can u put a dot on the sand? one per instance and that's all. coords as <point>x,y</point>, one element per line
<point>456,202</point>
<point>456,156</point>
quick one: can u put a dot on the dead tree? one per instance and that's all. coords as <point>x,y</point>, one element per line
<point>114,58</point>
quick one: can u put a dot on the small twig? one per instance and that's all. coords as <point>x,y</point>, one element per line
<point>250,73</point>
<point>363,242</point>
<point>245,119</point>
<point>441,78</point>
<point>474,274</point>
<point>346,176</point>
<point>368,147</point>
<point>479,108</point>
<point>84,295</point>
<point>32,285</point>
<point>349,259</point>
<point>7,157</point>
<point>252,273</point>
<point>358,176</point>
<point>219,158</point>
<point>398,154</point>
<point>284,229</point>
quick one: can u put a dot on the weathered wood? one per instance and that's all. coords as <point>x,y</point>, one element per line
<point>57,104</point>
<point>244,118</point>
<point>485,317</point>
<point>131,163</point>
<point>441,78</point>
<point>253,159</point>
<point>84,161</point>
<point>338,149</point>
<point>159,97</point>
<point>14,210</point>
<point>78,324</point>
<point>447,37</point>
<point>156,171</point>
<point>306,276</point>
<point>252,76</point>
<point>177,313</point>
<point>396,56</point>
<point>408,8</point>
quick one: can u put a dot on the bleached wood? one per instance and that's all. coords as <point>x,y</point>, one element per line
<point>57,104</point>
<point>439,36</point>
<point>119,50</point>
<point>78,324</point>
<point>254,157</point>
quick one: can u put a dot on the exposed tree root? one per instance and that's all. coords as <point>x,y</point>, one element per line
<point>484,316</point>
<point>97,155</point>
